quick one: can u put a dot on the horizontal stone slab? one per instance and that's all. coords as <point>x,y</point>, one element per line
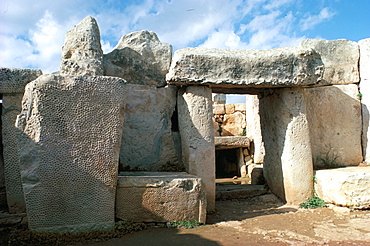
<point>160,197</point>
<point>228,192</point>
<point>349,187</point>
<point>231,142</point>
<point>283,67</point>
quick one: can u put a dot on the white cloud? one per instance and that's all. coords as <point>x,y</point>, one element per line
<point>311,21</point>
<point>224,39</point>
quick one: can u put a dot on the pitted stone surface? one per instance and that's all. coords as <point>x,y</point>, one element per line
<point>340,58</point>
<point>160,197</point>
<point>82,52</point>
<point>349,187</point>
<point>140,58</point>
<point>231,142</point>
<point>334,118</point>
<point>284,67</point>
<point>13,80</point>
<point>148,142</point>
<point>69,140</point>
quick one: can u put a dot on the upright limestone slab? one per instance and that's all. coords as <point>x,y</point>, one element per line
<point>365,98</point>
<point>82,52</point>
<point>196,129</point>
<point>334,117</point>
<point>340,58</point>
<point>12,83</point>
<point>69,140</point>
<point>288,160</point>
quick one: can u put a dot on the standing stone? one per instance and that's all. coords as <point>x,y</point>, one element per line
<point>198,148</point>
<point>140,58</point>
<point>149,138</point>
<point>82,52</point>
<point>340,58</point>
<point>365,95</point>
<point>334,118</point>
<point>288,166</point>
<point>69,140</point>
<point>12,83</point>
<point>253,120</point>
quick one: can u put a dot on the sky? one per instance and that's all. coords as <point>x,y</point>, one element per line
<point>32,31</point>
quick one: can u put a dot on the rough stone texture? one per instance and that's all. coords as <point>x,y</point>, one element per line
<point>140,58</point>
<point>253,128</point>
<point>12,104</point>
<point>148,143</point>
<point>229,192</point>
<point>160,197</point>
<point>219,109</point>
<point>288,167</point>
<point>349,187</point>
<point>334,117</point>
<point>13,80</point>
<point>218,98</point>
<point>82,53</point>
<point>230,108</point>
<point>224,68</point>
<point>365,91</point>
<point>255,172</point>
<point>340,58</point>
<point>231,142</point>
<point>69,140</point>
<point>233,124</point>
<point>240,107</point>
<point>195,124</point>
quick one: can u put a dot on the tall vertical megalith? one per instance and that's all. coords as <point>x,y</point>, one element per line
<point>69,140</point>
<point>196,129</point>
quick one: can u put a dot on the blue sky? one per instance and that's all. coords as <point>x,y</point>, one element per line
<point>32,32</point>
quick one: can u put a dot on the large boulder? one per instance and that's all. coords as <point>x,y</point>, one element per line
<point>340,58</point>
<point>334,117</point>
<point>82,52</point>
<point>69,137</point>
<point>150,138</point>
<point>140,58</point>
<point>287,67</point>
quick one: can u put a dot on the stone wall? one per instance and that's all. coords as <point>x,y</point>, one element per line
<point>229,119</point>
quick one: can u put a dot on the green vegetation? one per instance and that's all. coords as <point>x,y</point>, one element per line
<point>188,224</point>
<point>359,96</point>
<point>327,162</point>
<point>313,202</point>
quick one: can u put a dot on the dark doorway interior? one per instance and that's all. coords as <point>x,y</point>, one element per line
<point>226,163</point>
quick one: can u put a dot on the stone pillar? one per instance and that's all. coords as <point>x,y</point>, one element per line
<point>253,121</point>
<point>12,104</point>
<point>198,149</point>
<point>288,161</point>
<point>365,95</point>
<point>242,168</point>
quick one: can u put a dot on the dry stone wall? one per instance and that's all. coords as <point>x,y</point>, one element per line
<point>229,119</point>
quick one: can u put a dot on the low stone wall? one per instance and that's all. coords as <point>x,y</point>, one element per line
<point>229,119</point>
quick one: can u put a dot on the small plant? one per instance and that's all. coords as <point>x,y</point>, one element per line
<point>187,224</point>
<point>328,161</point>
<point>219,130</point>
<point>313,202</point>
<point>359,96</point>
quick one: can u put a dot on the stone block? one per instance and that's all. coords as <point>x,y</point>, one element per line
<point>139,58</point>
<point>219,109</point>
<point>365,92</point>
<point>231,142</point>
<point>69,137</point>
<point>233,124</point>
<point>195,123</point>
<point>160,197</point>
<point>340,58</point>
<point>334,118</point>
<point>148,138</point>
<point>218,98</point>
<point>13,80</point>
<point>240,107</point>
<point>288,167</point>
<point>225,68</point>
<point>82,52</point>
<point>349,187</point>
<point>230,108</point>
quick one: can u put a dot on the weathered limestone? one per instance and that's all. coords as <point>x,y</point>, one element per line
<point>13,80</point>
<point>334,119</point>
<point>12,83</point>
<point>253,128</point>
<point>160,197</point>
<point>225,68</point>
<point>218,98</point>
<point>229,121</point>
<point>365,95</point>
<point>69,140</point>
<point>140,58</point>
<point>288,160</point>
<point>340,58</point>
<point>349,187</point>
<point>195,124</point>
<point>82,52</point>
<point>231,142</point>
<point>148,142</point>
<point>233,124</point>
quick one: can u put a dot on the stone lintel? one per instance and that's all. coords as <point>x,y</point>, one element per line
<point>231,142</point>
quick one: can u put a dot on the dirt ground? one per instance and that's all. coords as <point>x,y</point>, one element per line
<point>262,221</point>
